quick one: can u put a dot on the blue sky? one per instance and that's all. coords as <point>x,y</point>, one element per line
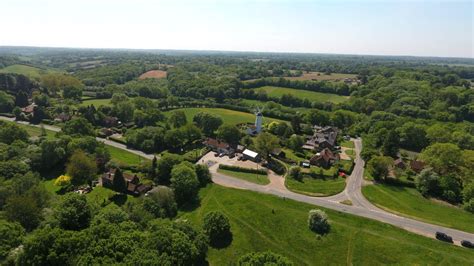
<point>404,27</point>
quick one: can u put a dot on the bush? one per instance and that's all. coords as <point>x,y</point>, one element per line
<point>62,180</point>
<point>318,221</point>
<point>295,173</point>
<point>217,227</point>
<point>263,258</point>
<point>242,169</point>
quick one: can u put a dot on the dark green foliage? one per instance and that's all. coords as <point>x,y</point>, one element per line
<point>391,144</point>
<point>119,184</point>
<point>318,221</point>
<point>263,259</point>
<point>177,119</point>
<point>81,168</point>
<point>10,132</point>
<point>7,102</point>
<point>78,126</point>
<point>24,210</point>
<point>185,183</point>
<point>73,213</point>
<point>161,203</point>
<point>207,122</point>
<point>217,227</point>
<point>229,133</point>
<point>11,236</point>
<point>203,174</point>
<point>165,165</point>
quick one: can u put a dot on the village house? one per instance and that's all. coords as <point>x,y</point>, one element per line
<point>417,166</point>
<point>398,163</point>
<point>323,138</point>
<point>325,158</point>
<point>218,146</point>
<point>132,182</point>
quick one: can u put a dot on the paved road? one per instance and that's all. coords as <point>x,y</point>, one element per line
<point>105,141</point>
<point>361,206</point>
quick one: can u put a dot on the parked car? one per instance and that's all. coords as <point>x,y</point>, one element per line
<point>221,155</point>
<point>467,244</point>
<point>444,237</point>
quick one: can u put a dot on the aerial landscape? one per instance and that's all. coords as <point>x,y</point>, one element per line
<point>240,134</point>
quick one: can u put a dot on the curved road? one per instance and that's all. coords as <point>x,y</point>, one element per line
<point>361,206</point>
<point>105,141</point>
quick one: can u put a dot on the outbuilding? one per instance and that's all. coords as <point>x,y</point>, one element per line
<point>251,155</point>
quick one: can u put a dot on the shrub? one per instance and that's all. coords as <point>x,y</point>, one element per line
<point>263,258</point>
<point>217,227</point>
<point>242,169</point>
<point>318,221</point>
<point>295,173</point>
<point>62,180</point>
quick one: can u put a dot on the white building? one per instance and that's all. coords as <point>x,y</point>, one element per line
<point>257,127</point>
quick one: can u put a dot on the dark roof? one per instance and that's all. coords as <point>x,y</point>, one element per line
<point>216,143</point>
<point>326,155</point>
<point>417,166</point>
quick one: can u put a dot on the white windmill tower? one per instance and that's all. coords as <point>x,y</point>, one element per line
<point>258,120</point>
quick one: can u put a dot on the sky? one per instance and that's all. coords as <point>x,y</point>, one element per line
<point>403,27</point>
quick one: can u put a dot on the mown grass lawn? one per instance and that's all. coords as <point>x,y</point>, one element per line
<point>122,156</point>
<point>250,177</point>
<point>228,116</point>
<point>36,131</point>
<point>316,186</point>
<point>96,102</point>
<point>303,94</point>
<point>348,144</point>
<point>409,202</point>
<point>268,223</point>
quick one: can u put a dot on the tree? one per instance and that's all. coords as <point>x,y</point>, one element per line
<point>81,168</point>
<point>161,203</point>
<point>11,235</point>
<point>62,181</point>
<point>78,126</point>
<point>217,227</point>
<point>229,133</point>
<point>295,142</point>
<point>207,122</point>
<point>263,258</point>
<point>164,167</point>
<point>9,132</point>
<point>21,99</point>
<point>295,173</point>
<point>73,213</point>
<point>265,143</point>
<point>7,102</point>
<point>427,182</point>
<point>124,111</point>
<point>72,92</point>
<point>318,117</point>
<point>119,183</point>
<point>318,221</point>
<point>203,174</point>
<point>445,158</point>
<point>110,214</point>
<point>184,182</point>
<point>295,124</point>
<point>412,136</point>
<point>379,166</point>
<point>24,210</point>
<point>177,118</point>
<point>390,144</point>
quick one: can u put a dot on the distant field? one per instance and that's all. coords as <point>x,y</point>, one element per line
<point>409,202</point>
<point>304,94</point>
<point>95,102</point>
<point>323,76</point>
<point>156,74</point>
<point>268,223</point>
<point>32,72</point>
<point>229,116</point>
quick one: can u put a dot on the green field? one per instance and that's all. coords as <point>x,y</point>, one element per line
<point>122,156</point>
<point>250,177</point>
<point>96,102</point>
<point>348,144</point>
<point>269,223</point>
<point>32,72</point>
<point>316,186</point>
<point>304,94</point>
<point>409,202</point>
<point>229,116</point>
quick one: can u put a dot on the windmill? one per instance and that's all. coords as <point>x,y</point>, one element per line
<point>258,119</point>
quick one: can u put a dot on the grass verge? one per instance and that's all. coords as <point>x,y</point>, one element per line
<point>250,177</point>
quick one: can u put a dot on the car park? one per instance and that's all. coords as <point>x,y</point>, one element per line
<point>444,237</point>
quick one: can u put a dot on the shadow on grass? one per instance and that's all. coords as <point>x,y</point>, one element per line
<point>191,206</point>
<point>119,199</point>
<point>222,242</point>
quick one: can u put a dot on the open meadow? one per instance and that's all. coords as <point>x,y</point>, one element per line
<point>303,94</point>
<point>32,72</point>
<point>228,116</point>
<point>410,203</point>
<point>268,223</point>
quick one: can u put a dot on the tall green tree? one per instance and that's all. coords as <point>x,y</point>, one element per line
<point>185,183</point>
<point>73,213</point>
<point>81,168</point>
<point>177,118</point>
